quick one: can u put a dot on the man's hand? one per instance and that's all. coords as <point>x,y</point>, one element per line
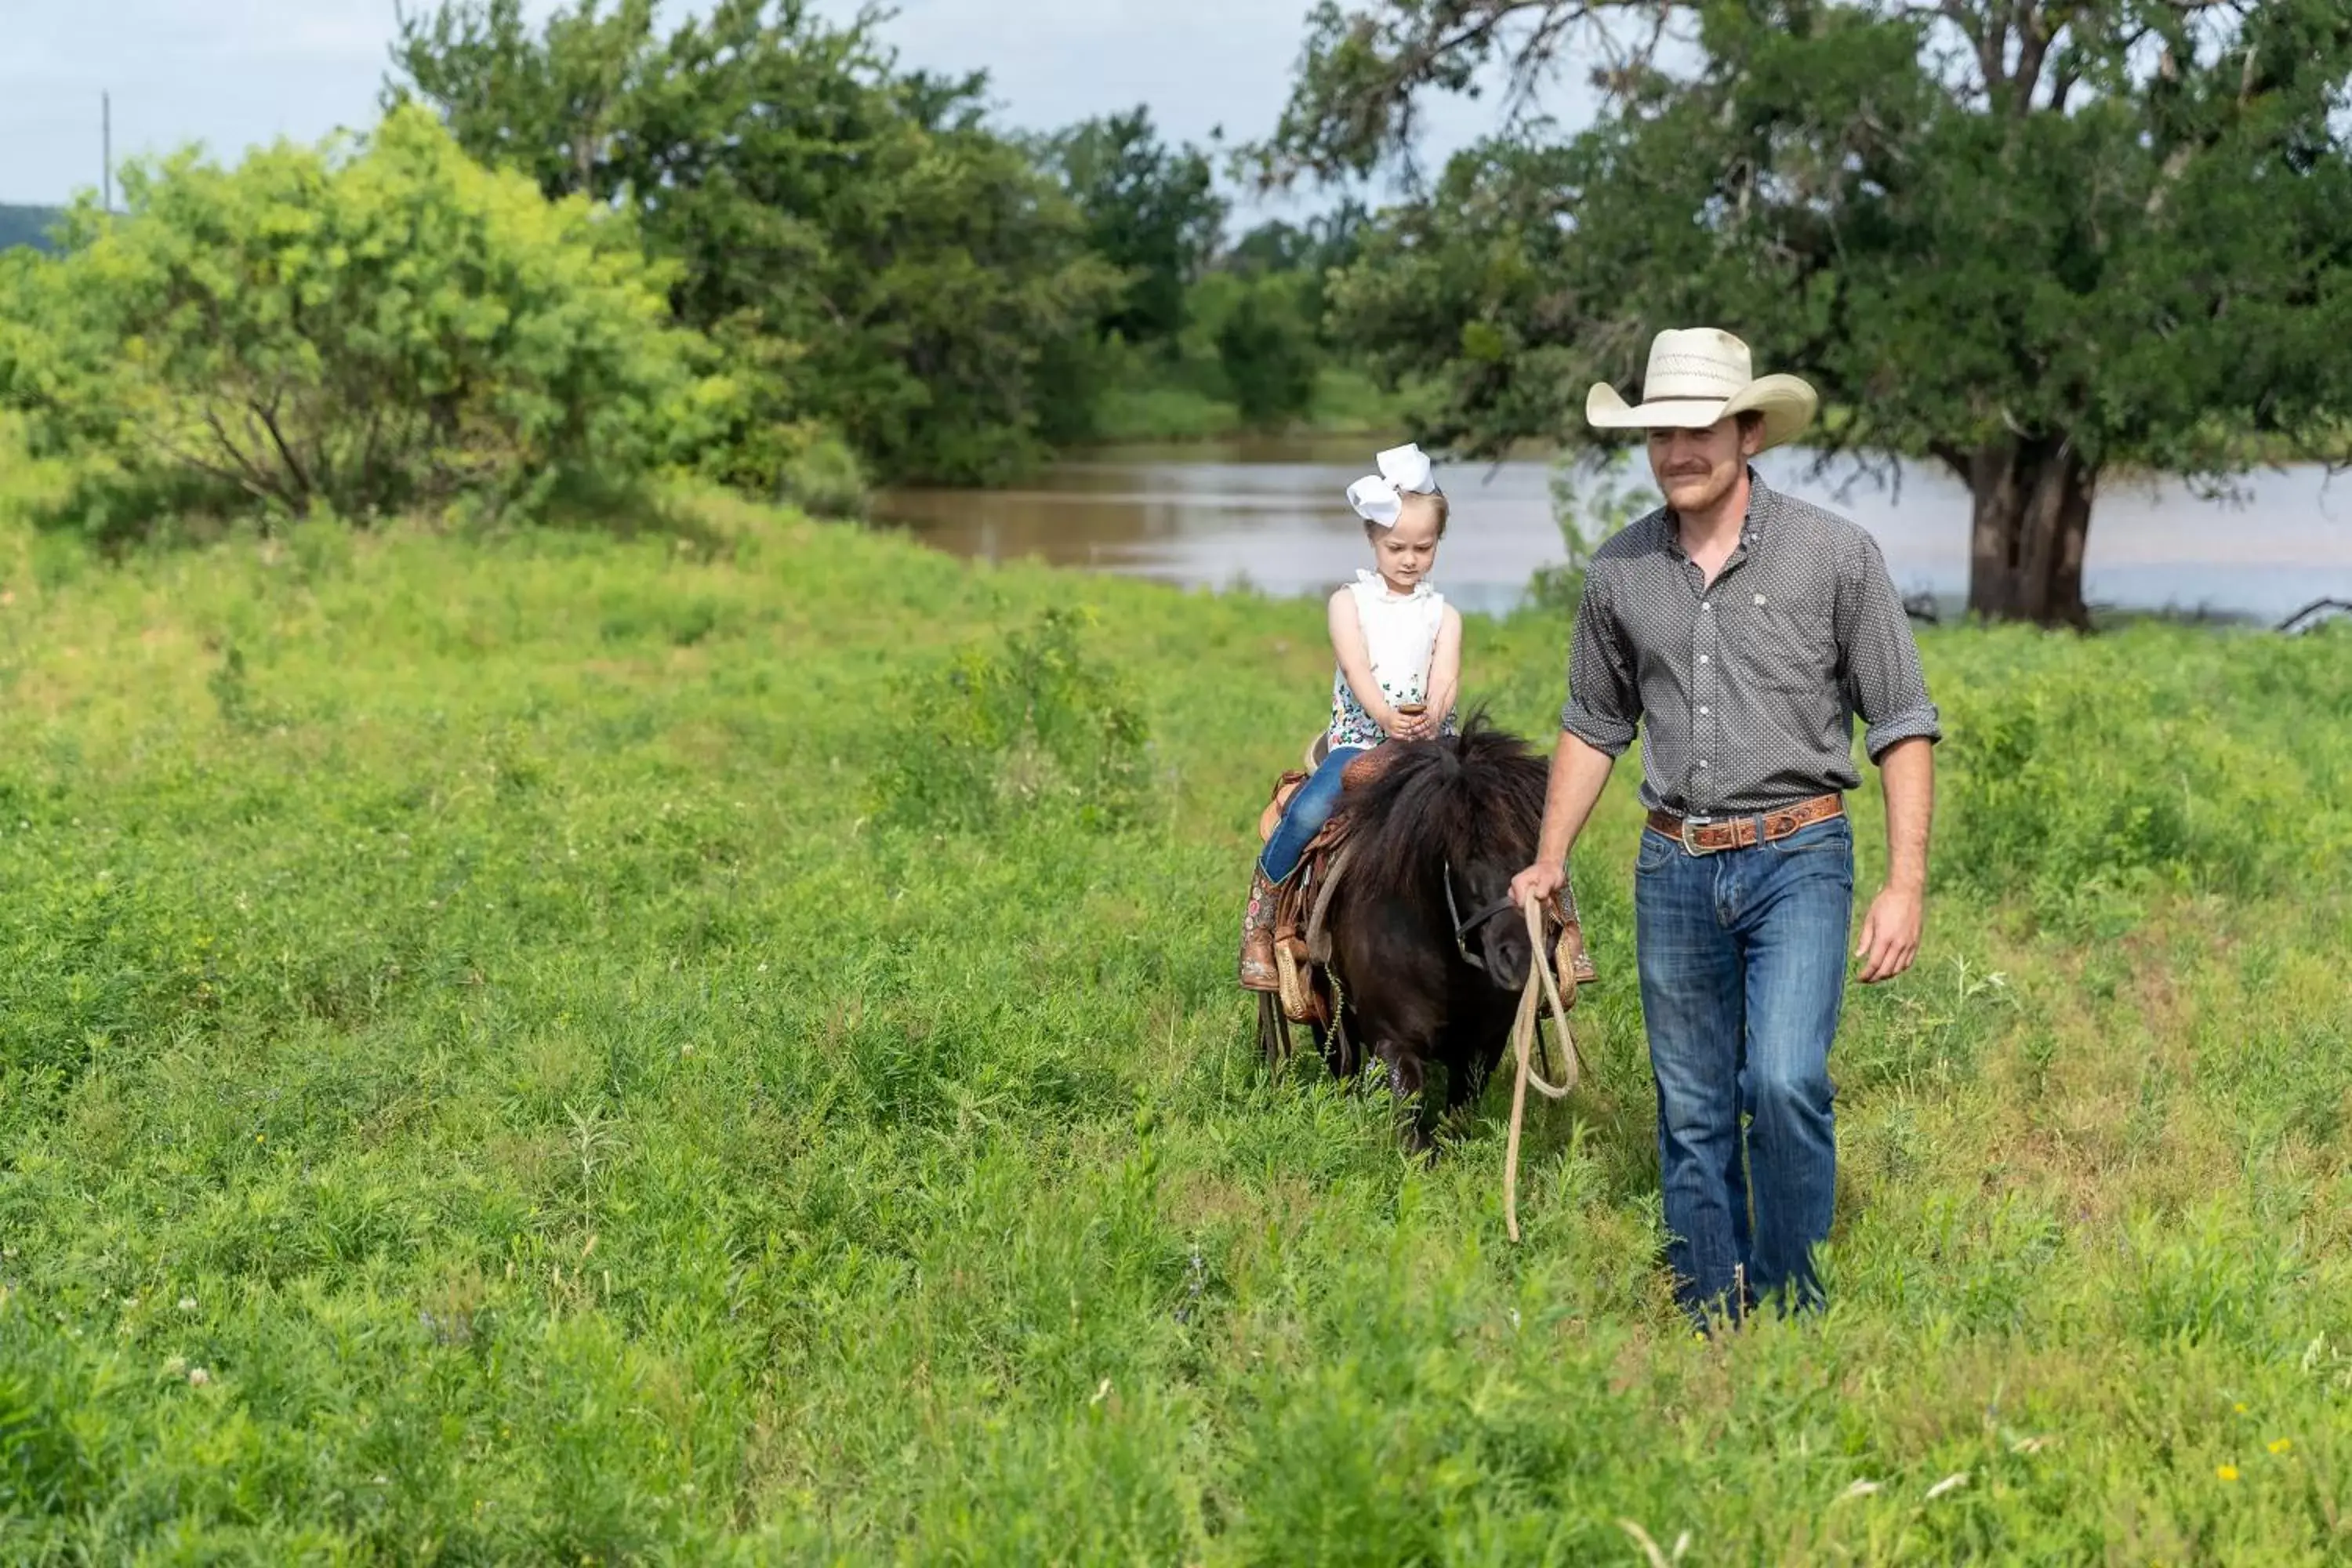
<point>1540,880</point>
<point>1890,934</point>
<point>1578,772</point>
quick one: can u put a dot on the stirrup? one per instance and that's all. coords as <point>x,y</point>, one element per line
<point>1299,1003</point>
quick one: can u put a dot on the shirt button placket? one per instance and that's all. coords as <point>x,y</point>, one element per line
<point>1702,697</point>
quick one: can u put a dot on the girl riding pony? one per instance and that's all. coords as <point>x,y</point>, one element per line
<point>1397,646</point>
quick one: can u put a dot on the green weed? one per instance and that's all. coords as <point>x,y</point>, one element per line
<point>729,1055</point>
<point>1038,725</point>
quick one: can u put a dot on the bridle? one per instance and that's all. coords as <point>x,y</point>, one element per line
<point>1462,927</point>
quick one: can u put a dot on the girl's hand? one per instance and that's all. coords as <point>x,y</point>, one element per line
<point>1407,726</point>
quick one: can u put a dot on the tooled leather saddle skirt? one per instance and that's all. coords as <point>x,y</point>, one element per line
<point>1302,945</point>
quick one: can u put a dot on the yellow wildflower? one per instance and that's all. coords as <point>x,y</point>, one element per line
<point>2281,1445</point>
<point>2227,1472</point>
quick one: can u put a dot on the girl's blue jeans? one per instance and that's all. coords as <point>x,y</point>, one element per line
<point>1310,807</point>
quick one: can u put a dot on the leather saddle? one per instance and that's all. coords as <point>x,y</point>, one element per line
<point>1302,944</point>
<point>1287,784</point>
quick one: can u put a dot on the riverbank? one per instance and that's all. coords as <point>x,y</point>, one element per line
<point>555,1046</point>
<point>1271,512</point>
<point>1187,405</point>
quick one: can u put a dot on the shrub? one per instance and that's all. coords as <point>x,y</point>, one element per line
<point>798,461</point>
<point>1036,726</point>
<point>864,246</point>
<point>370,327</point>
<point>2076,771</point>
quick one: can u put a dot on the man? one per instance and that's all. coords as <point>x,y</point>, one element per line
<point>1741,630</point>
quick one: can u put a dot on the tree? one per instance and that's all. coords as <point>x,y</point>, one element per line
<point>867,252</point>
<point>1323,245</point>
<point>1150,210</point>
<point>2035,242</point>
<point>26,226</point>
<point>1266,346</point>
<point>369,326</point>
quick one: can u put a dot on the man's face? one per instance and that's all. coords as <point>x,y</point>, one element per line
<point>1697,468</point>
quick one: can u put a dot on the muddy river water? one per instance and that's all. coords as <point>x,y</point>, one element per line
<point>1271,515</point>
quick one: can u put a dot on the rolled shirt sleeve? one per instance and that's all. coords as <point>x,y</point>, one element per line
<point>1604,701</point>
<point>1883,679</point>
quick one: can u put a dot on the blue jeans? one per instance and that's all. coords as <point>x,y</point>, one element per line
<point>1310,807</point>
<point>1742,954</point>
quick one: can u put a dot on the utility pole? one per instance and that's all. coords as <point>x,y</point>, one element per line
<point>106,149</point>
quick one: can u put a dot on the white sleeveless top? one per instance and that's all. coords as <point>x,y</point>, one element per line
<point>1400,636</point>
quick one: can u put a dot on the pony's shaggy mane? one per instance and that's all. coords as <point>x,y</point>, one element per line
<point>1460,796</point>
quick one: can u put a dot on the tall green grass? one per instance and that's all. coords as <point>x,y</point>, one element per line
<point>560,1048</point>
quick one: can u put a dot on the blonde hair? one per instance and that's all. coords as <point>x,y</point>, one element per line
<point>1433,500</point>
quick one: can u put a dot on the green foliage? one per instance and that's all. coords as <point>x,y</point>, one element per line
<point>1249,327</point>
<point>1593,495</point>
<point>1151,409</point>
<point>1154,402</point>
<point>1314,251</point>
<point>1036,727</point>
<point>26,226</point>
<point>2031,243</point>
<point>533,1118</point>
<point>95,964</point>
<point>867,254</point>
<point>1266,346</point>
<point>2082,777</point>
<point>800,461</point>
<point>824,477</point>
<point>364,330</point>
<point>1150,210</point>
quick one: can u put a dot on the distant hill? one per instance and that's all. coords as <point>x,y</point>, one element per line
<point>26,226</point>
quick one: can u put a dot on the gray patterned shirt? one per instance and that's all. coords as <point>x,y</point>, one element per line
<point>1745,689</point>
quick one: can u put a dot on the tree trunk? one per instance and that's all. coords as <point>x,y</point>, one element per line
<point>2032,514</point>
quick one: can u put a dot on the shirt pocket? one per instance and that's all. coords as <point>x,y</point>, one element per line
<point>1791,642</point>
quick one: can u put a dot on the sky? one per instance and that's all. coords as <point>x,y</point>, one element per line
<point>234,73</point>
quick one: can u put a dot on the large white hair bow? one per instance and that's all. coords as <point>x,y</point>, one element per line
<point>1380,498</point>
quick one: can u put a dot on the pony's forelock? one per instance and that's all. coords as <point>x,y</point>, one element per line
<point>1472,796</point>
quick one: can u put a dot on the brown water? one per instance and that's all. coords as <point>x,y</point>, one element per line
<point>1272,515</point>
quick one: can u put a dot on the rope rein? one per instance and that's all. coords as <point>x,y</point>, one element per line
<point>1526,1041</point>
<point>1526,1028</point>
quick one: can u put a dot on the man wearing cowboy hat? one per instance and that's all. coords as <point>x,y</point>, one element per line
<point>1740,631</point>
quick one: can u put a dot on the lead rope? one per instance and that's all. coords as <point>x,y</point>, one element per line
<point>1526,1038</point>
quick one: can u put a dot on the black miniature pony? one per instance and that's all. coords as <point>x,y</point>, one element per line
<point>1429,952</point>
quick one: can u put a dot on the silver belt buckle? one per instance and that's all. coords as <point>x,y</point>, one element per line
<point>1688,846</point>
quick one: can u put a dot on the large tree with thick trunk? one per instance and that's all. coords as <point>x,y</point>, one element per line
<point>2037,242</point>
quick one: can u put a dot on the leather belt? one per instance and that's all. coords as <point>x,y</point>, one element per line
<point>1698,836</point>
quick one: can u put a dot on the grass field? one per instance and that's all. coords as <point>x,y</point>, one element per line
<point>559,1049</point>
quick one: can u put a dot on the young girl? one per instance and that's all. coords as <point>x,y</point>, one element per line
<point>1398,646</point>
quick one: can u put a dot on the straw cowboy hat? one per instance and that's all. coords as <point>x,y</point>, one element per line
<point>1696,377</point>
